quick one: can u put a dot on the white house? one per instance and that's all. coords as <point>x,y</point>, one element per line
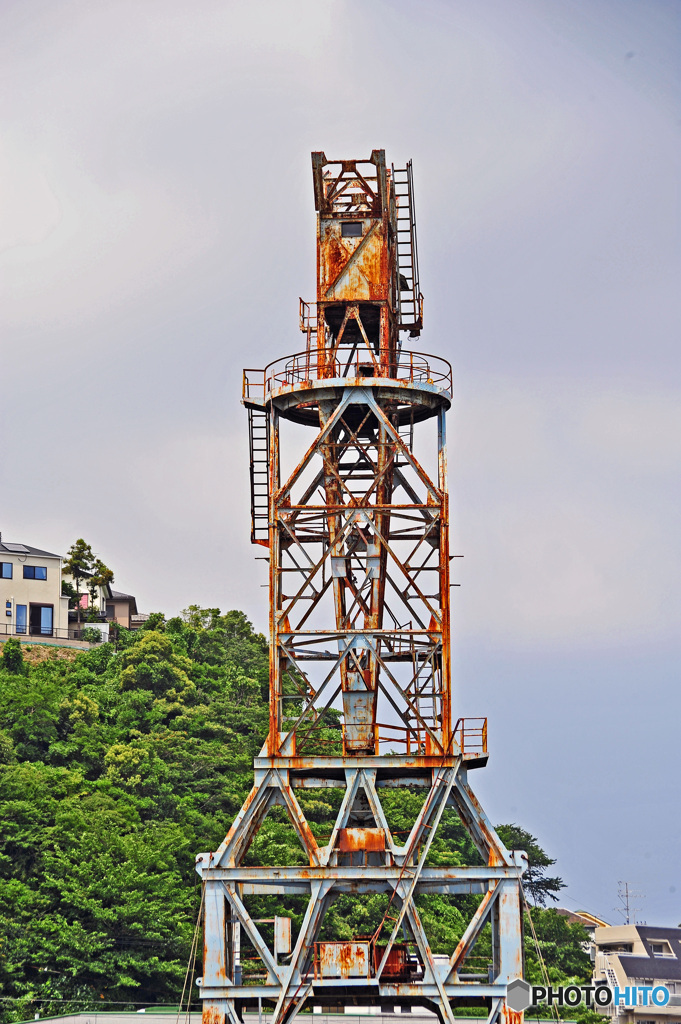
<point>30,592</point>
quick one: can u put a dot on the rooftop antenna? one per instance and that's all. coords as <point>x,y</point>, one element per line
<point>628,899</point>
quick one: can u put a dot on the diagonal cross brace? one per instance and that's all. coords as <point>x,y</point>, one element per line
<point>318,893</point>
<point>439,807</point>
<point>473,929</point>
<point>254,935</point>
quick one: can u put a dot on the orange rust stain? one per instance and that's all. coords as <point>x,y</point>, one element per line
<point>351,840</point>
<point>397,964</point>
<point>211,1015</point>
<point>344,959</point>
<point>366,276</point>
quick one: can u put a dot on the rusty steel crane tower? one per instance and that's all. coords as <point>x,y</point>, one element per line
<point>360,685</point>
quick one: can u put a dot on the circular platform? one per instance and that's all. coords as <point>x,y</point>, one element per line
<point>411,388</point>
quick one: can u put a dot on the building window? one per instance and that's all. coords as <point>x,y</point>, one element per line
<point>35,572</point>
<point>351,229</point>
<point>46,620</point>
<point>6,570</point>
<point>22,618</point>
<point>661,949</point>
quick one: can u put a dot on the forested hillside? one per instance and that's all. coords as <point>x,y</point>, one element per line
<point>117,766</point>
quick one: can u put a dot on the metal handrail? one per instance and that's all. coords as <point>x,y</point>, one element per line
<point>56,633</point>
<point>472,738</point>
<point>304,367</point>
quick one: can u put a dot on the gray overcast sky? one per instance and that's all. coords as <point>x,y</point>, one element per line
<point>157,229</point>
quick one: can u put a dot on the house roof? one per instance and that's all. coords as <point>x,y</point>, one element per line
<point>12,548</point>
<point>658,967</point>
<point>650,931</point>
<point>118,595</point>
<point>582,917</point>
<point>661,968</point>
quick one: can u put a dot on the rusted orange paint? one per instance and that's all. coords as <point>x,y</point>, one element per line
<point>341,960</point>
<point>351,840</point>
<point>211,1015</point>
<point>397,966</point>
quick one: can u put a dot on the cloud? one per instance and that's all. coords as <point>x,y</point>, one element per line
<point>565,501</point>
<point>640,432</point>
<point>30,209</point>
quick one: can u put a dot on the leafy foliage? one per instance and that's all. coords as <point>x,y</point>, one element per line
<point>538,886</point>
<point>117,767</point>
<point>84,566</point>
<point>12,656</point>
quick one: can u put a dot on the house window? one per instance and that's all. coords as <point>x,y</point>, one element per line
<point>46,620</point>
<point>6,570</point>
<point>40,619</point>
<point>661,949</point>
<point>22,618</point>
<point>35,572</point>
<point>351,229</point>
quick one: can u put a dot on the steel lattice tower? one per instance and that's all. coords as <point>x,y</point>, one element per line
<point>360,682</point>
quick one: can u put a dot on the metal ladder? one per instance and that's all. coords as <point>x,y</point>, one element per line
<point>409,297</point>
<point>613,982</point>
<point>259,445</point>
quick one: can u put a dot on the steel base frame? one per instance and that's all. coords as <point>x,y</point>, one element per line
<point>402,874</point>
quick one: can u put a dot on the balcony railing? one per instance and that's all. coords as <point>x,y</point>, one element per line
<point>9,629</point>
<point>409,368</point>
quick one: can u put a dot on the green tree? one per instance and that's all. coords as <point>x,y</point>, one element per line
<point>101,576</point>
<point>83,566</point>
<point>539,886</point>
<point>78,565</point>
<point>12,656</point>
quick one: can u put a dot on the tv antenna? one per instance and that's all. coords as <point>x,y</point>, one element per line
<point>628,898</point>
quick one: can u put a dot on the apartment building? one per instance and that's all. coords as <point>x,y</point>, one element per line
<point>637,954</point>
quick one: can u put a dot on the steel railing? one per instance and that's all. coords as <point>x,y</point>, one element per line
<point>412,368</point>
<point>471,735</point>
<point>10,629</point>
